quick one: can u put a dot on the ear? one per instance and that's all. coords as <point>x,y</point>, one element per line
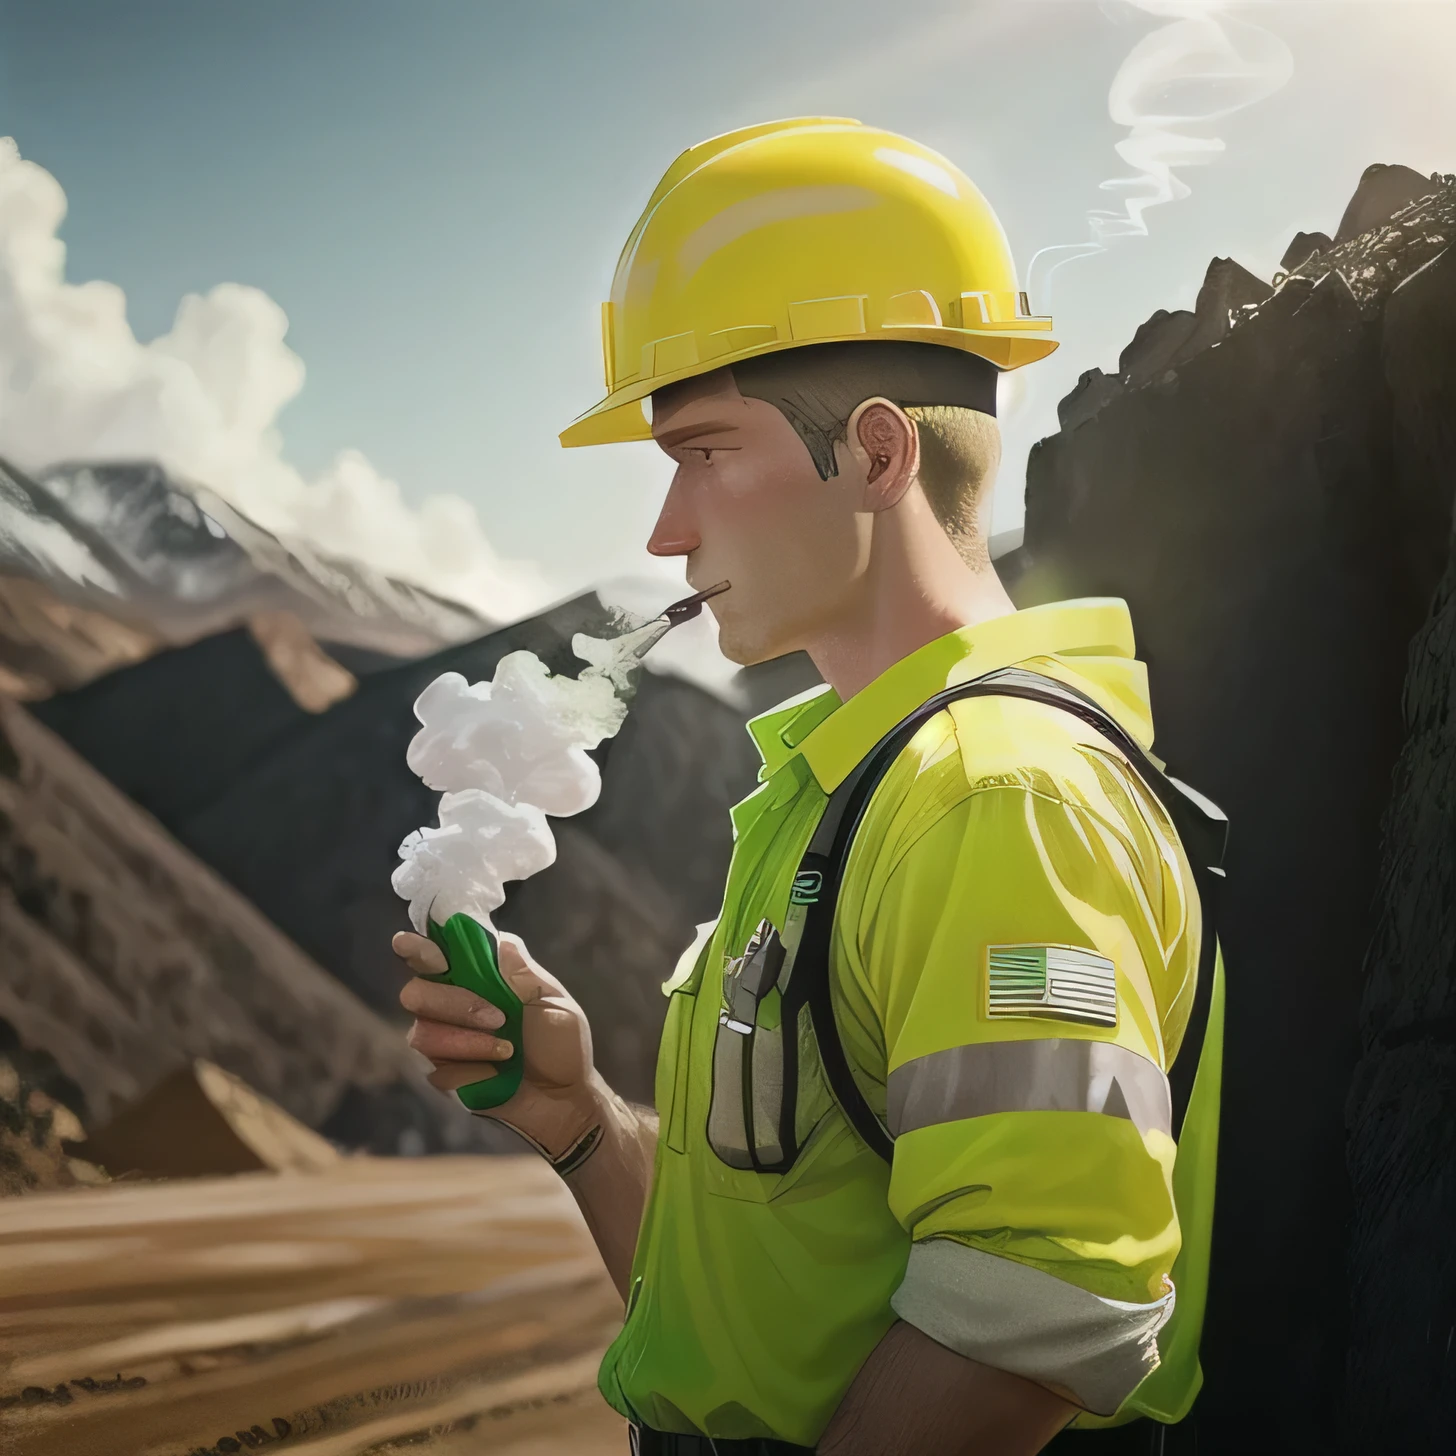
<point>885,445</point>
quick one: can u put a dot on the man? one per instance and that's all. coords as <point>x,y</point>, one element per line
<point>818,312</point>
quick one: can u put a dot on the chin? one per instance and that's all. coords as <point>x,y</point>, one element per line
<point>748,637</point>
<point>736,651</point>
<point>747,652</point>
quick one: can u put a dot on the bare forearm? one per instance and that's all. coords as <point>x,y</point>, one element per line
<point>609,1171</point>
<point>913,1395</point>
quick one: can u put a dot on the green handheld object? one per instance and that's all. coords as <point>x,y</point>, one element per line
<point>475,964</point>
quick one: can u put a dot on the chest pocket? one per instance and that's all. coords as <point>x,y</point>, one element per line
<point>674,1064</point>
<point>768,1093</point>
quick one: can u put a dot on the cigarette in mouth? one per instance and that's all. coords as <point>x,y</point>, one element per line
<point>689,607</point>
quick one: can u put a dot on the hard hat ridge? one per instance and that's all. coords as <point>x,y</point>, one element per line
<point>810,230</point>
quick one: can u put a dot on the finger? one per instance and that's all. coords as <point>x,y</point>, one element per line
<point>441,1042</point>
<point>455,1005</point>
<point>460,1074</point>
<point>423,956</point>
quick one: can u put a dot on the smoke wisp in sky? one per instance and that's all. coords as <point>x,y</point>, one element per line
<point>1172,89</point>
<point>204,399</point>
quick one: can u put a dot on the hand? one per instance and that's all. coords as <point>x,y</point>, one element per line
<point>560,1091</point>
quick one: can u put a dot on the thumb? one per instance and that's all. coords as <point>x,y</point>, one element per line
<point>528,980</point>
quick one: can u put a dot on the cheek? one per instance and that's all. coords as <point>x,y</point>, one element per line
<point>738,504</point>
<point>749,481</point>
<point>776,529</point>
<point>762,490</point>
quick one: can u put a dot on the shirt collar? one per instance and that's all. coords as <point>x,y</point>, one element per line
<point>833,736</point>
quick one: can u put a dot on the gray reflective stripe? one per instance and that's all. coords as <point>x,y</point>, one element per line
<point>1015,1318</point>
<point>1055,1074</point>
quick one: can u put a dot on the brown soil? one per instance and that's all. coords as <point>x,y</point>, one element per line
<point>451,1305</point>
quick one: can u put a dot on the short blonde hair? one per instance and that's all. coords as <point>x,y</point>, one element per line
<point>960,450</point>
<point>949,394</point>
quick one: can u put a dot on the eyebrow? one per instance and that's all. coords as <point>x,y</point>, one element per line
<point>671,438</point>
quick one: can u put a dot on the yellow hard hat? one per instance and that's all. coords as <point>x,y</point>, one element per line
<point>809,231</point>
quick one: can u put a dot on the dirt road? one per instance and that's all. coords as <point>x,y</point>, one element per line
<point>449,1305</point>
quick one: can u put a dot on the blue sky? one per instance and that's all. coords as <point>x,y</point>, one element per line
<point>436,192</point>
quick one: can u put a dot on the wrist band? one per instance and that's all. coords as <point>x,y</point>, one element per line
<point>578,1152</point>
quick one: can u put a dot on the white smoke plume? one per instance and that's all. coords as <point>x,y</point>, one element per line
<point>203,399</point>
<point>507,753</point>
<point>1171,90</point>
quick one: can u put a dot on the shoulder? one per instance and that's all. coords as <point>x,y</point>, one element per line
<point>1012,742</point>
<point>987,767</point>
<point>981,744</point>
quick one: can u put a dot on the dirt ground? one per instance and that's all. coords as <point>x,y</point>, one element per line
<point>441,1305</point>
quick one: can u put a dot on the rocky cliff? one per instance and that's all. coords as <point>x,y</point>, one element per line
<point>122,957</point>
<point>1257,482</point>
<point>1401,1378</point>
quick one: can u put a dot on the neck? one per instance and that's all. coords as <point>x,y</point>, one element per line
<point>915,589</point>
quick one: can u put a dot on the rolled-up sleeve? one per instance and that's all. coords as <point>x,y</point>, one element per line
<point>1016,959</point>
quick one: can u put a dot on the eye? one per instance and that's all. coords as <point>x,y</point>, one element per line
<point>705,452</point>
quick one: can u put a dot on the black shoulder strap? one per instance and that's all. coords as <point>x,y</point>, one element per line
<point>1201,827</point>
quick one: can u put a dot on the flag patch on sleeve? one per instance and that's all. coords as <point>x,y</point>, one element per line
<point>1059,982</point>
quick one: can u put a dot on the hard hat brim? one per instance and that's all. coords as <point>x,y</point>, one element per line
<point>619,417</point>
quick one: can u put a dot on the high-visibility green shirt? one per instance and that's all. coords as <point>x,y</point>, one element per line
<point>1013,965</point>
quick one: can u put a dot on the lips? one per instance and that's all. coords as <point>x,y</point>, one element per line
<point>689,607</point>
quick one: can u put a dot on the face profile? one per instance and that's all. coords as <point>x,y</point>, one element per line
<point>747,505</point>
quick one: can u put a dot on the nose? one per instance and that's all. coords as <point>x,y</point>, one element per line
<point>674,534</point>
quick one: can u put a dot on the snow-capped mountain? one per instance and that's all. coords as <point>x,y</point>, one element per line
<point>170,562</point>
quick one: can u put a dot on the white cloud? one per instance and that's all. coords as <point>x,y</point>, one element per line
<point>203,399</point>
